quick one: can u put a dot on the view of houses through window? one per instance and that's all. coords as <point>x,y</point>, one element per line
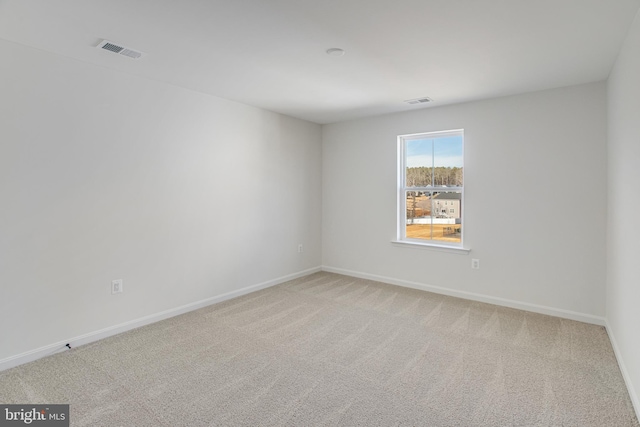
<point>431,187</point>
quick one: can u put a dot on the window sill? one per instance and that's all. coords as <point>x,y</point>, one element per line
<point>433,247</point>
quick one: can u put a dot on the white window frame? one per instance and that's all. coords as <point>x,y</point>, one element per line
<point>402,189</point>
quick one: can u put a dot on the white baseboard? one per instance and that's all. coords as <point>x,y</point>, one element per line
<point>57,347</point>
<point>551,311</point>
<point>623,369</point>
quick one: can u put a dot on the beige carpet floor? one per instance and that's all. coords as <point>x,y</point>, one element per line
<point>328,350</point>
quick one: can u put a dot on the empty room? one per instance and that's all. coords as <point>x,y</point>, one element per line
<point>319,213</point>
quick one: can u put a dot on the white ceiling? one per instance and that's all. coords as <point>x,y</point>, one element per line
<point>271,53</point>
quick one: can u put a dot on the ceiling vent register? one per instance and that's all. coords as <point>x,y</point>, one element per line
<point>121,50</point>
<point>419,101</point>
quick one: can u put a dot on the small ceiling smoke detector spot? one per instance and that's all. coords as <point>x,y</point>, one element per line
<point>335,51</point>
<point>119,49</point>
<point>422,100</point>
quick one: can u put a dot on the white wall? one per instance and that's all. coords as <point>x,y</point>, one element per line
<point>106,176</point>
<point>545,152</point>
<point>623,268</point>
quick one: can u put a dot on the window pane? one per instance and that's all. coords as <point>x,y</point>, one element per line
<point>418,223</point>
<point>419,162</point>
<point>447,216</point>
<point>447,154</point>
<point>434,216</point>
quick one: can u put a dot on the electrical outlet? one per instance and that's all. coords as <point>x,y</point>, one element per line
<point>300,248</point>
<point>116,286</point>
<point>475,264</point>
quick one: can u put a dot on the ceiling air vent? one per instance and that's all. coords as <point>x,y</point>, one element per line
<point>121,50</point>
<point>419,101</point>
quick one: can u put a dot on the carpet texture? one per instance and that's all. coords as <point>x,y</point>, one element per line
<point>327,350</point>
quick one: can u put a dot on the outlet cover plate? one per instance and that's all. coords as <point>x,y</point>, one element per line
<point>116,286</point>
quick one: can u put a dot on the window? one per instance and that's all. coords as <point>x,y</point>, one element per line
<point>430,188</point>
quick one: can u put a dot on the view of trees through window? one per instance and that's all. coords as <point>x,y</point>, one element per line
<point>422,176</point>
<point>432,186</point>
